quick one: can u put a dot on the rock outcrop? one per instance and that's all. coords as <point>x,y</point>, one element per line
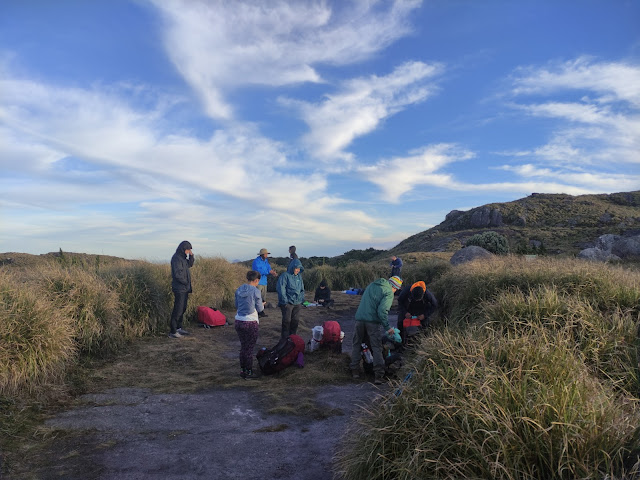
<point>468,254</point>
<point>611,247</point>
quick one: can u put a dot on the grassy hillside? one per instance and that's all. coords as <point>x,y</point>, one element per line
<point>562,224</point>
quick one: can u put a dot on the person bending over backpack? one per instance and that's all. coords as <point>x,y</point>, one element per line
<point>249,303</point>
<point>372,313</point>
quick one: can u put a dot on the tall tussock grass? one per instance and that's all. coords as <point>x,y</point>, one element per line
<point>534,376</point>
<point>36,341</point>
<point>53,314</point>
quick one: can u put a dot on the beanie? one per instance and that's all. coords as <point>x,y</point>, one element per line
<point>396,282</point>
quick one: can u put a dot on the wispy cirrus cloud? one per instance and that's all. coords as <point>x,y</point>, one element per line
<point>360,105</point>
<point>218,46</point>
<point>91,150</point>
<point>598,120</point>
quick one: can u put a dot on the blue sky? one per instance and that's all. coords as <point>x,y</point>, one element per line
<point>127,126</point>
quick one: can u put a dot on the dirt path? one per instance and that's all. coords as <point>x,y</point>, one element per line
<point>223,432</point>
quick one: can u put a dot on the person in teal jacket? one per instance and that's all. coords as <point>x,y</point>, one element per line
<point>290,289</point>
<point>372,313</point>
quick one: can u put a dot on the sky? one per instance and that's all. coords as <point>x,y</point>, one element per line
<point>127,126</point>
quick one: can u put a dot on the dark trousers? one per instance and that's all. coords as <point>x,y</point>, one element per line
<point>290,319</point>
<point>248,334</point>
<point>179,307</point>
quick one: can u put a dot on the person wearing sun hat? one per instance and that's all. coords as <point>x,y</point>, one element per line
<point>372,313</point>
<point>261,265</point>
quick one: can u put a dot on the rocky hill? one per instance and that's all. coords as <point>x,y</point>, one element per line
<point>552,223</point>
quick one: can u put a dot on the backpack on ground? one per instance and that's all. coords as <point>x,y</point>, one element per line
<point>331,336</point>
<point>411,326</point>
<point>285,353</point>
<point>211,317</point>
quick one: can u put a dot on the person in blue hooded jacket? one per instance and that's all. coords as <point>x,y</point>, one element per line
<point>290,297</point>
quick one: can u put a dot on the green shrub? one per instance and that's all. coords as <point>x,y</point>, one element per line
<point>490,241</point>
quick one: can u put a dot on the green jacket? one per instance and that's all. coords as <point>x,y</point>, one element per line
<point>375,304</point>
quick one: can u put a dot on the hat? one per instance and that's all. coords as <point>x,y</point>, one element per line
<point>396,282</point>
<point>264,251</point>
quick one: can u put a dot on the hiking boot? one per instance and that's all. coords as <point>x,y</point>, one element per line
<point>378,380</point>
<point>262,314</point>
<point>182,331</point>
<point>355,374</point>
<point>174,335</point>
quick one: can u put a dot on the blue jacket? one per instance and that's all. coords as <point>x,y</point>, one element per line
<point>290,287</point>
<point>261,265</point>
<point>396,266</point>
<point>248,300</point>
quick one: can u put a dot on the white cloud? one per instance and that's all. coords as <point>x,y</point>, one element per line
<point>360,105</point>
<point>399,175</point>
<point>218,46</point>
<point>85,168</point>
<point>601,126</point>
<point>613,81</point>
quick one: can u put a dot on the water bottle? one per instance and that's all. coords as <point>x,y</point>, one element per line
<point>366,353</point>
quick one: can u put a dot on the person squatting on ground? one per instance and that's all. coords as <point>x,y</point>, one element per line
<point>262,266</point>
<point>415,301</point>
<point>323,295</point>
<point>396,266</point>
<point>290,297</point>
<point>249,304</point>
<point>181,262</point>
<point>373,312</point>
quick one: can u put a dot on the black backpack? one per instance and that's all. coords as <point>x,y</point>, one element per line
<point>272,360</point>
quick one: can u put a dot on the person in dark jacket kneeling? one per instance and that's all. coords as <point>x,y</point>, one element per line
<point>323,295</point>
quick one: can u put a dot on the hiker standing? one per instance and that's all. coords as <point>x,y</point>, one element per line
<point>290,297</point>
<point>292,253</point>
<point>248,300</point>
<point>181,262</point>
<point>372,313</point>
<point>396,266</point>
<point>262,266</point>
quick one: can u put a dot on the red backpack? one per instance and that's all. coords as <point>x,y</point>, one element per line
<point>211,317</point>
<point>331,336</point>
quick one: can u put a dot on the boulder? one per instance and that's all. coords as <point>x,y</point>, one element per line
<point>626,247</point>
<point>468,254</point>
<point>597,255</point>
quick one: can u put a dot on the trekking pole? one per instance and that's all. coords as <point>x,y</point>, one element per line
<point>403,382</point>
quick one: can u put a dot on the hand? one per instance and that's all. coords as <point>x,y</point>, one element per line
<point>391,331</point>
<point>407,315</point>
<point>420,317</point>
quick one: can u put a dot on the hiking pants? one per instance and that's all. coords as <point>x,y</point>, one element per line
<point>360,333</point>
<point>179,307</point>
<point>263,292</point>
<point>248,334</point>
<point>290,319</point>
